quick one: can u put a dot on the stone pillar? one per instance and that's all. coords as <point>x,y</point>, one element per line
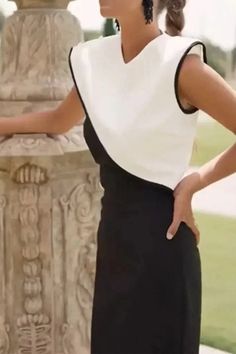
<point>49,193</point>
<point>36,40</point>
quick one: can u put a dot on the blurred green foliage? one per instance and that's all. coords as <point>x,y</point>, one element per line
<point>108,28</point>
<point>217,247</point>
<point>216,57</point>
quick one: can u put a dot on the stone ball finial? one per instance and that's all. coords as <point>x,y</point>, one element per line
<point>39,4</point>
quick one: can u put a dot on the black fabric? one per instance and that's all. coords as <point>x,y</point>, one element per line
<point>147,295</point>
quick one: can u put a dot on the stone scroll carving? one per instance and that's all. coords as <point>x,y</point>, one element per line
<point>81,205</point>
<point>4,327</point>
<point>49,192</point>
<point>48,262</point>
<point>34,325</point>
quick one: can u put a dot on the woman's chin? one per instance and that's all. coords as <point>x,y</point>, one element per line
<point>104,11</point>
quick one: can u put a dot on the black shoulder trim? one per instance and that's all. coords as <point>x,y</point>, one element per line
<point>194,109</point>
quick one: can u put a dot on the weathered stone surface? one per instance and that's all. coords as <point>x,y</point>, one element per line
<point>49,193</point>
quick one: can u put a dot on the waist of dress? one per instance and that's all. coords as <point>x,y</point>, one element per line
<point>121,186</point>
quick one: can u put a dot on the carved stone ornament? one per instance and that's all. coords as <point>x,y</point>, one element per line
<point>30,4</point>
<point>50,192</point>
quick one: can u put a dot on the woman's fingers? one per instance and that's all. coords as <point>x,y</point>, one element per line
<point>182,212</point>
<point>177,218</point>
<point>175,225</point>
<point>183,194</point>
<point>193,226</point>
<point>190,221</point>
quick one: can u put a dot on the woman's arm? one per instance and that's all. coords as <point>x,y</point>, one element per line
<point>57,121</point>
<point>204,88</point>
<point>219,167</point>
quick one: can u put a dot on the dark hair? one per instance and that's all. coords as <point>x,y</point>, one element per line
<point>175,20</point>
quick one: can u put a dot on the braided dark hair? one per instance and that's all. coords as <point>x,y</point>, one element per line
<point>175,20</point>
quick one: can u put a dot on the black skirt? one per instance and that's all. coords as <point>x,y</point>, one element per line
<point>147,294</point>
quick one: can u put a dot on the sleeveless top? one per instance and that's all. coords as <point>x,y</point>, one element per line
<point>134,107</point>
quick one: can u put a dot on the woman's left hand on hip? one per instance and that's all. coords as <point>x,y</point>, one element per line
<point>183,194</point>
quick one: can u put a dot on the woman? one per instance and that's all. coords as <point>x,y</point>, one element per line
<point>141,91</point>
<point>221,166</point>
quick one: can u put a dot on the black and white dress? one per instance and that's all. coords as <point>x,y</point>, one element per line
<point>147,295</point>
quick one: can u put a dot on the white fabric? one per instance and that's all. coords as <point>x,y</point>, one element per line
<point>133,107</point>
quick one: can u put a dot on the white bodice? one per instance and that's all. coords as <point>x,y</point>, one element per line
<point>134,106</point>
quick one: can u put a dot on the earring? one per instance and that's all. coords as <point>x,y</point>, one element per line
<point>117,24</point>
<point>148,10</point>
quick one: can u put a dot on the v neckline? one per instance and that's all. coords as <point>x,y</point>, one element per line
<point>157,39</point>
